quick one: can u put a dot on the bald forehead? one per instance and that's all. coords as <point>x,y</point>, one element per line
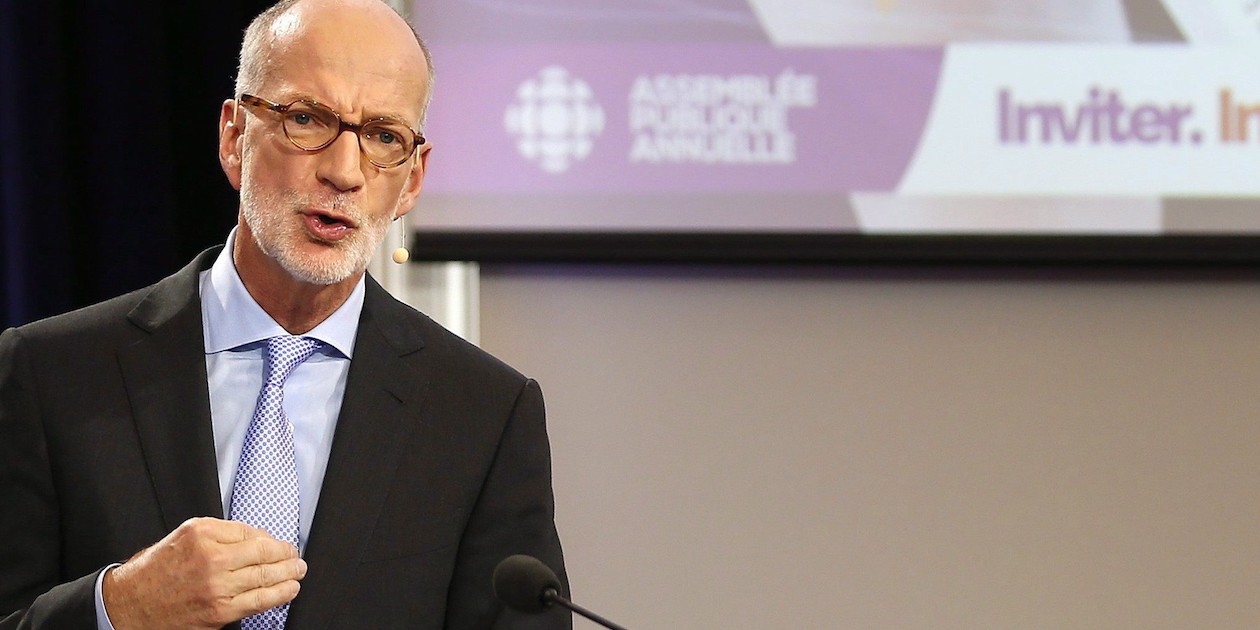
<point>364,24</point>
<point>363,41</point>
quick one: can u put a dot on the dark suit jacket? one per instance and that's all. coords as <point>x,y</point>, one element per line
<point>439,468</point>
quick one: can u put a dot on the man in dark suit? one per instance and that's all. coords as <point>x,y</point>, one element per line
<point>374,482</point>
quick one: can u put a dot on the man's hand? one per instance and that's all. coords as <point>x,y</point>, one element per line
<point>205,574</point>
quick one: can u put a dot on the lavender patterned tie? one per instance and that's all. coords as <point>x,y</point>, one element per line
<point>265,494</point>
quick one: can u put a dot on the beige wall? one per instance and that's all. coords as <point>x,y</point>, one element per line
<point>819,450</point>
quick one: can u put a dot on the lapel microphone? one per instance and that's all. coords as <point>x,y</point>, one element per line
<point>401,254</point>
<point>525,584</point>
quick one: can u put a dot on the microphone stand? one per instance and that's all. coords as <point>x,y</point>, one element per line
<point>552,596</point>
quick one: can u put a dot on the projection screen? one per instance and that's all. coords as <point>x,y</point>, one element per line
<point>1071,129</point>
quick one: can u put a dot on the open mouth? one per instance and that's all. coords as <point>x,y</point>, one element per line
<point>327,227</point>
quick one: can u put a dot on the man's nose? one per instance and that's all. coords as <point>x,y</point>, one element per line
<point>341,163</point>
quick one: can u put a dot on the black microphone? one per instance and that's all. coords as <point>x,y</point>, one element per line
<point>526,584</point>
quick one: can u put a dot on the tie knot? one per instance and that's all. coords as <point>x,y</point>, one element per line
<point>285,353</point>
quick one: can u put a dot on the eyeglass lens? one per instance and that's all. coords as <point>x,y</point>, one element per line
<point>312,126</point>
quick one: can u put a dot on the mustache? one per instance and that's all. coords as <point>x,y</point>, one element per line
<point>341,204</point>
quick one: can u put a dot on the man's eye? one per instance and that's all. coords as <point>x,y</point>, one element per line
<point>302,118</point>
<point>386,137</point>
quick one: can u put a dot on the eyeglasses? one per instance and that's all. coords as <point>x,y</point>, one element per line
<point>311,126</point>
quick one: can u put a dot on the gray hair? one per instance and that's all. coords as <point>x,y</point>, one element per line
<point>254,47</point>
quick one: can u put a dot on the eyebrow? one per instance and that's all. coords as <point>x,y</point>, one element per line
<point>305,96</point>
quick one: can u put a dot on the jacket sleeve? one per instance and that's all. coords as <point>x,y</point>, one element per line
<point>32,592</point>
<point>514,514</point>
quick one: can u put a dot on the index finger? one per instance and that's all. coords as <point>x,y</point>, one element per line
<point>257,550</point>
<point>220,530</point>
<point>247,545</point>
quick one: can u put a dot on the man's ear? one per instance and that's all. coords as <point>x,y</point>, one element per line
<point>231,135</point>
<point>415,181</point>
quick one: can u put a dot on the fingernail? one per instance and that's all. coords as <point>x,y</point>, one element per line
<point>301,568</point>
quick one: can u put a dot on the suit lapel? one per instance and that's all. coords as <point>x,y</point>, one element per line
<point>165,376</point>
<point>368,444</point>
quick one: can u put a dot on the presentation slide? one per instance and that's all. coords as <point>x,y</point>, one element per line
<point>1074,117</point>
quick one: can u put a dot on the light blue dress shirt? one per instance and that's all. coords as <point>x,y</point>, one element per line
<point>236,330</point>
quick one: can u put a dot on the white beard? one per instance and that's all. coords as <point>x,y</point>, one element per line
<point>271,220</point>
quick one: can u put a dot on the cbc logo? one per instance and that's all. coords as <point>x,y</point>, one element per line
<point>555,119</point>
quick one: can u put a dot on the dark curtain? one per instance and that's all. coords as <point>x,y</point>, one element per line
<point>109,176</point>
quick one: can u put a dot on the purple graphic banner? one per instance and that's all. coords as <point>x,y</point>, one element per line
<point>646,119</point>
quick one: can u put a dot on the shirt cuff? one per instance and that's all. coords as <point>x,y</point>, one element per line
<point>102,619</point>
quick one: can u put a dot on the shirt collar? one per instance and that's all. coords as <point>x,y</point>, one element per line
<point>231,318</point>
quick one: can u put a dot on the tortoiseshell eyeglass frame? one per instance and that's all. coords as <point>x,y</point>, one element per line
<point>417,140</point>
